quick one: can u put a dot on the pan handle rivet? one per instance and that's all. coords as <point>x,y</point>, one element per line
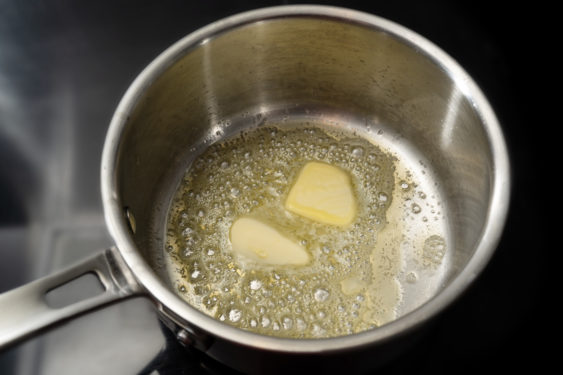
<point>184,337</point>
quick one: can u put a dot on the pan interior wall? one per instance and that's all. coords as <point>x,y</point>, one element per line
<point>315,67</point>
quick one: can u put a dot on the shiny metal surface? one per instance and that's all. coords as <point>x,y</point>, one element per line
<point>26,310</point>
<point>253,64</point>
<point>50,211</point>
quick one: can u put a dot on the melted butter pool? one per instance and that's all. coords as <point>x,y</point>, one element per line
<point>355,278</point>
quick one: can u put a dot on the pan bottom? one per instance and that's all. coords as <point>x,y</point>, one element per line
<point>376,271</point>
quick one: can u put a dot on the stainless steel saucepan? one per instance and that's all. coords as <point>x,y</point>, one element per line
<point>331,64</point>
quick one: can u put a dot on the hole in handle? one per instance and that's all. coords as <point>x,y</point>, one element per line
<point>83,287</point>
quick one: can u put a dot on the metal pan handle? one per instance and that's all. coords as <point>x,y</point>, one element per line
<point>25,310</point>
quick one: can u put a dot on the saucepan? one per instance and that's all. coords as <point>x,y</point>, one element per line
<point>295,65</point>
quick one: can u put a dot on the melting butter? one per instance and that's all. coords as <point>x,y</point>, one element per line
<point>261,243</point>
<point>236,213</point>
<point>323,193</point>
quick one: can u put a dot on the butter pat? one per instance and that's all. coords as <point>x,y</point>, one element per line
<point>323,193</point>
<point>258,241</point>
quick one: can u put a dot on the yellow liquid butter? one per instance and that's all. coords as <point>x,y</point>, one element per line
<point>245,199</point>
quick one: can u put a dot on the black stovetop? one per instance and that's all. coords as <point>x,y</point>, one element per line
<point>63,68</point>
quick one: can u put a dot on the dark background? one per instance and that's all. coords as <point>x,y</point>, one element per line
<point>69,62</point>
